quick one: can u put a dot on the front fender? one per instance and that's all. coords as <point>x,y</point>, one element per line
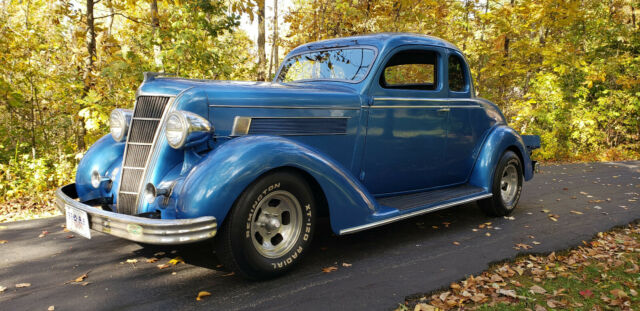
<point>105,156</point>
<point>214,184</point>
<point>497,142</point>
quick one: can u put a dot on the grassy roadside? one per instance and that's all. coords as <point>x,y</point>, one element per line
<point>603,274</point>
<point>25,208</point>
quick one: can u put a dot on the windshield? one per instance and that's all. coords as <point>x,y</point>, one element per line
<point>345,64</point>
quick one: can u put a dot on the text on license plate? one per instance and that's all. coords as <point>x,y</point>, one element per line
<point>78,221</point>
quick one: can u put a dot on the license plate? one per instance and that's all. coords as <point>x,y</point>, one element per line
<point>78,221</point>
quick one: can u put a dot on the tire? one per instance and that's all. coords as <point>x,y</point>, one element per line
<point>506,187</point>
<point>269,227</point>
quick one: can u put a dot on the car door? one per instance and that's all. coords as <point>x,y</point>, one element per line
<point>407,121</point>
<point>466,125</point>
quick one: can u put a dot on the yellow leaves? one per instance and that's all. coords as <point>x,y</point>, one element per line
<point>22,285</point>
<point>132,261</point>
<point>3,241</point>
<point>151,260</point>
<point>576,212</point>
<point>347,265</point>
<point>2,288</point>
<point>176,261</point>
<point>522,246</point>
<point>202,294</point>
<point>456,243</point>
<point>163,266</point>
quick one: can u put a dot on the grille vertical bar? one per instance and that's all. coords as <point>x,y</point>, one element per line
<point>144,125</point>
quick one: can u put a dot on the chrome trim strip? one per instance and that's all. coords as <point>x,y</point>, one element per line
<point>140,229</point>
<point>422,99</point>
<point>141,144</point>
<point>133,168</point>
<point>420,106</point>
<point>152,119</point>
<point>128,192</point>
<point>241,126</point>
<point>415,213</point>
<point>285,107</point>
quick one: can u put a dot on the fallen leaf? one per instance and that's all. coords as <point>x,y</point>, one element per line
<point>70,236</point>
<point>455,286</point>
<point>619,293</point>
<point>51,308</point>
<point>576,212</point>
<point>597,207</point>
<point>523,246</point>
<point>535,289</point>
<point>81,278</point>
<point>545,211</point>
<point>152,260</point>
<point>65,230</point>
<point>507,292</point>
<point>132,260</point>
<point>425,307</point>
<point>176,260</point>
<point>487,234</point>
<point>553,218</point>
<point>551,303</point>
<point>202,294</point>
<point>2,289</point>
<point>444,295</point>
<point>3,241</point>
<point>586,293</point>
<point>163,266</point>
<point>536,243</point>
<point>21,285</point>
<point>229,274</point>
<point>344,264</point>
<point>631,291</point>
<point>43,234</point>
<point>158,254</point>
<point>329,269</point>
<point>456,243</point>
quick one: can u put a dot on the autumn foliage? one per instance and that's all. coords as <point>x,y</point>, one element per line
<point>567,70</point>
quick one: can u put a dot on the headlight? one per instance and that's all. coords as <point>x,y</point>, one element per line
<point>186,128</point>
<point>119,123</point>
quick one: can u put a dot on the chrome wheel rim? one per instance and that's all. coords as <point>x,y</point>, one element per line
<point>509,183</point>
<point>276,224</point>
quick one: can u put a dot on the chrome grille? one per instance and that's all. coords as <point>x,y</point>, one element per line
<point>144,125</point>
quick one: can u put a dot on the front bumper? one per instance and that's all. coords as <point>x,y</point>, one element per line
<point>139,229</point>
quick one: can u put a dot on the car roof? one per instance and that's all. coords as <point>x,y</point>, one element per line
<point>379,40</point>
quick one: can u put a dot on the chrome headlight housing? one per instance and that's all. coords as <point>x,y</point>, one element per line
<point>119,123</point>
<point>185,128</point>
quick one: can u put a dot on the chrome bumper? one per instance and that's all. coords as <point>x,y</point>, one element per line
<point>140,229</point>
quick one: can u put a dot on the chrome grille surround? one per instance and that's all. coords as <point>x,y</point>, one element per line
<point>149,111</point>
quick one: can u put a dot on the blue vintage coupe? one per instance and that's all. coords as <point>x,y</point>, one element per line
<point>364,130</point>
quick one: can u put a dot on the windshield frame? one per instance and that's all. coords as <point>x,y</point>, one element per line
<point>368,47</point>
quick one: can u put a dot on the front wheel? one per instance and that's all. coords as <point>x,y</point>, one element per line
<point>269,227</point>
<point>506,187</point>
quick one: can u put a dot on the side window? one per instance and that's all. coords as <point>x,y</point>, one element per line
<point>411,69</point>
<point>457,79</point>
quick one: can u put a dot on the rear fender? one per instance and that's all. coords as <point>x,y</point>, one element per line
<point>497,142</point>
<point>212,187</point>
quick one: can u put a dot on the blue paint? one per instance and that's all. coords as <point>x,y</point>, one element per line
<point>433,139</point>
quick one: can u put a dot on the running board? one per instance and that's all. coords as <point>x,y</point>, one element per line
<point>431,209</point>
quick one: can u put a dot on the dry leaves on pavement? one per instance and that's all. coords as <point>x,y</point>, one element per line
<point>202,294</point>
<point>329,269</point>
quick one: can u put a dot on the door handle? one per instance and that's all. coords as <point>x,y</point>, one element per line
<point>443,110</point>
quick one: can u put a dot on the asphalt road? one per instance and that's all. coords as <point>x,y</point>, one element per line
<point>381,267</point>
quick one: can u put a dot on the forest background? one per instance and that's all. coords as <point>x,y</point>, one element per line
<point>567,70</point>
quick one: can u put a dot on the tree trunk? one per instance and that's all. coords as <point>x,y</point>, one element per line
<point>273,63</point>
<point>155,23</point>
<point>262,58</point>
<point>87,79</point>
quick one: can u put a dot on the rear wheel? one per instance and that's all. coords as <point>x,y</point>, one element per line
<point>269,227</point>
<point>506,187</point>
